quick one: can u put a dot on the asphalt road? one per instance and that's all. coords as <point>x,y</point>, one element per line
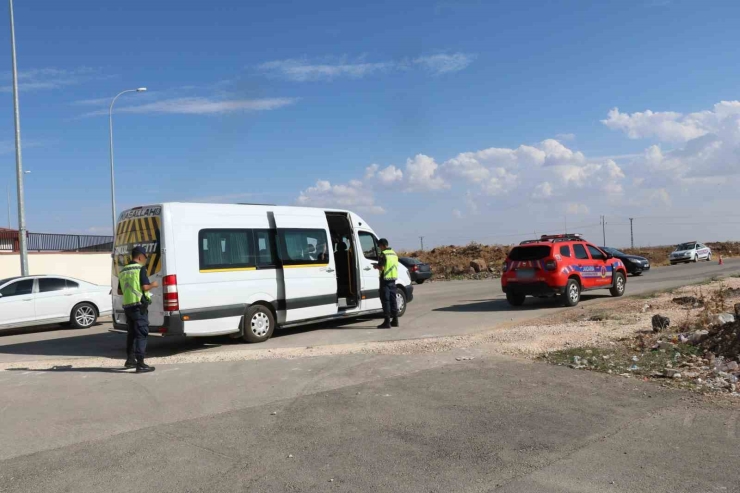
<point>387,423</point>
<point>439,309</point>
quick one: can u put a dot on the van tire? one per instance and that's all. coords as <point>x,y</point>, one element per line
<point>258,324</point>
<point>402,303</point>
<point>572,294</point>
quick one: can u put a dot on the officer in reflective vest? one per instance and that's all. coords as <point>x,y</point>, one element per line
<point>134,285</point>
<point>388,267</point>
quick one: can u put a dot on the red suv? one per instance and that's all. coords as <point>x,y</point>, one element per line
<point>560,265</point>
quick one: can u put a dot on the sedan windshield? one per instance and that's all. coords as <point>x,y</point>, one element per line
<point>685,246</point>
<point>614,251</point>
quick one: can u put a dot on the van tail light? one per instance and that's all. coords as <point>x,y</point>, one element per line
<point>169,294</point>
<point>551,265</point>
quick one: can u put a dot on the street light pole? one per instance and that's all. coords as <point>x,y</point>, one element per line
<point>18,159</point>
<point>112,175</point>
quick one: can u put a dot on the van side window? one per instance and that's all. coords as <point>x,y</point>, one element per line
<point>369,245</point>
<point>265,244</point>
<point>303,246</point>
<point>225,249</point>
<point>580,251</point>
<point>565,250</point>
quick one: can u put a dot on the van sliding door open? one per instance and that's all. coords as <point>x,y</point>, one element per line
<point>307,257</point>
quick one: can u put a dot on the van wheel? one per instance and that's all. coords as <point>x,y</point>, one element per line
<point>258,324</point>
<point>83,316</point>
<point>516,299</point>
<point>572,294</point>
<point>400,301</point>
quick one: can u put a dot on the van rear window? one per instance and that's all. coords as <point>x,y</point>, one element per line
<point>534,252</point>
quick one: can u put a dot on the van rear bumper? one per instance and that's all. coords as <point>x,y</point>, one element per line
<point>172,326</point>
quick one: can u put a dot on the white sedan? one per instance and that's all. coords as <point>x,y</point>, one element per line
<point>41,300</point>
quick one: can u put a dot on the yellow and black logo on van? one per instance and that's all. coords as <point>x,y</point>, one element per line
<point>143,232</point>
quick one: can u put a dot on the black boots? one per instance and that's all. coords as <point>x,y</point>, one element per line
<point>142,367</point>
<point>388,323</point>
<point>130,362</point>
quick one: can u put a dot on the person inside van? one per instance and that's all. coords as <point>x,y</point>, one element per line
<point>311,250</point>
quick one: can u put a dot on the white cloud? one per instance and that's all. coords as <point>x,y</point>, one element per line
<point>709,140</point>
<point>371,170</point>
<point>661,196</point>
<point>443,64</point>
<point>304,70</point>
<point>577,209</point>
<point>330,68</point>
<point>203,106</point>
<point>457,213</point>
<point>421,174</point>
<point>353,195</point>
<point>562,137</point>
<point>49,78</point>
<point>668,126</point>
<point>542,191</point>
<point>390,175</point>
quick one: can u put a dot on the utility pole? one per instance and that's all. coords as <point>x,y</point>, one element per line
<point>632,235</point>
<point>421,238</point>
<point>18,160</point>
<point>603,229</point>
<point>566,223</point>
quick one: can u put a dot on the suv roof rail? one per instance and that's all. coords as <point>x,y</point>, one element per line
<point>556,238</point>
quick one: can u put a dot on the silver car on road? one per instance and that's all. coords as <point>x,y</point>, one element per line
<point>692,251</point>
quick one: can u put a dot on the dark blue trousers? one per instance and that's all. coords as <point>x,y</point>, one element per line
<point>388,298</point>
<point>138,330</point>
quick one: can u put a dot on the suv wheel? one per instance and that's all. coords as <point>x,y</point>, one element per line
<point>572,293</point>
<point>617,288</point>
<point>515,299</point>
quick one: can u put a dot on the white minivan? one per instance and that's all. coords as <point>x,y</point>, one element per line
<point>248,269</point>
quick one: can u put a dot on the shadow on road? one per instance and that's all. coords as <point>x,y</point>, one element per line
<point>501,305</point>
<point>41,328</point>
<point>106,345</point>
<point>70,368</point>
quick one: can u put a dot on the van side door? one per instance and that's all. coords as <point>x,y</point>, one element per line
<point>307,259</point>
<point>370,276</point>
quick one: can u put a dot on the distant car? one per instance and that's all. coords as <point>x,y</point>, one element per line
<point>690,252</point>
<point>635,264</point>
<point>418,270</point>
<point>41,300</point>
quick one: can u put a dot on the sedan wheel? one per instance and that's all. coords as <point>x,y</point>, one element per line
<point>84,316</point>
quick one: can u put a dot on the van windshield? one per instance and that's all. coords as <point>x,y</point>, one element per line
<point>534,252</point>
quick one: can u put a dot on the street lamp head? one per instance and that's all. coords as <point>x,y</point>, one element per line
<point>141,89</point>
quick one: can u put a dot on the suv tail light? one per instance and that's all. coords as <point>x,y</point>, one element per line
<point>169,294</point>
<point>505,267</point>
<point>551,265</point>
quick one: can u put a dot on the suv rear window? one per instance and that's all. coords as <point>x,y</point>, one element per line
<point>523,253</point>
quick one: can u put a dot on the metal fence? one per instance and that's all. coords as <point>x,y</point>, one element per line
<point>42,242</point>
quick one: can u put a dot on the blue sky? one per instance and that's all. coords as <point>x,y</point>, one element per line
<point>458,121</point>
